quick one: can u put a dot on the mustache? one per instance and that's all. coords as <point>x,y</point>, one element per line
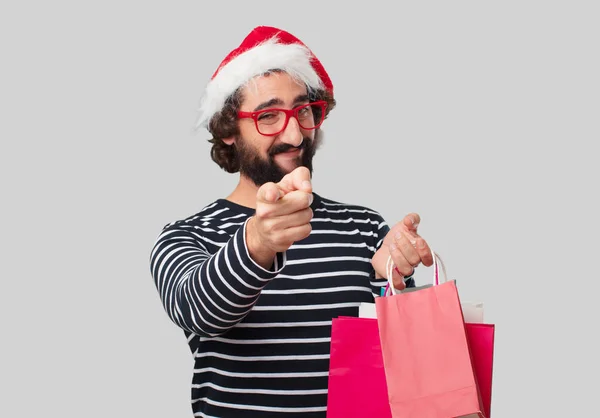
<point>277,149</point>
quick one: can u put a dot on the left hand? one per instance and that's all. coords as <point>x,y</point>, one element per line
<point>407,248</point>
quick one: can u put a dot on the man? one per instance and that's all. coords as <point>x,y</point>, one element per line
<point>254,279</point>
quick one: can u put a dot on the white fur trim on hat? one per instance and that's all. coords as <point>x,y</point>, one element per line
<point>293,59</point>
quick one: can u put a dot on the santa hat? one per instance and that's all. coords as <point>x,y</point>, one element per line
<point>265,48</point>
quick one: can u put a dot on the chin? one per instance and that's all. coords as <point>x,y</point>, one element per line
<point>290,166</point>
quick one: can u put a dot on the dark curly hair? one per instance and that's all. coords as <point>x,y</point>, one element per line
<point>224,124</point>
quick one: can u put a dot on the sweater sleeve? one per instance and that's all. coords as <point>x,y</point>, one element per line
<point>204,293</point>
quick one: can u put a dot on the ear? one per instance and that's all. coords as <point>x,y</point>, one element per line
<point>229,141</point>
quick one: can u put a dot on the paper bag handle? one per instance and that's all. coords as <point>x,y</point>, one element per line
<point>437,262</point>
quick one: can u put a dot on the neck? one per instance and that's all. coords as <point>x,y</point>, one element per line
<point>244,193</point>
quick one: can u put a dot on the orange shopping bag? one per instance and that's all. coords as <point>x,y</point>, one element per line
<point>427,361</point>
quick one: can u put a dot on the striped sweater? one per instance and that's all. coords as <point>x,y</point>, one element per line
<point>260,338</point>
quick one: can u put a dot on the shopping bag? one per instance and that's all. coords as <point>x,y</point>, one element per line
<point>357,385</point>
<point>427,360</point>
<point>472,312</point>
<point>481,344</point>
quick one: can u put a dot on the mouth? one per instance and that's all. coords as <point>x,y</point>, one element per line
<point>291,153</point>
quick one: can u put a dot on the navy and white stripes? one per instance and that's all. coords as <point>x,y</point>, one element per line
<point>260,337</point>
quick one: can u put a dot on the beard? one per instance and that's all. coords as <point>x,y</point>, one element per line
<point>261,171</point>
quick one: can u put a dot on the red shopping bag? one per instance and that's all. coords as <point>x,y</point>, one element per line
<point>357,385</point>
<point>427,361</point>
<point>481,344</point>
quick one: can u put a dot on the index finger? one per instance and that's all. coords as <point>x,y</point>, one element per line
<point>299,179</point>
<point>269,193</point>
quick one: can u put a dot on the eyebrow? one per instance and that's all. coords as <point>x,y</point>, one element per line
<point>278,102</point>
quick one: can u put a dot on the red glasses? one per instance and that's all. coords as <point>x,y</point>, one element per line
<point>274,121</point>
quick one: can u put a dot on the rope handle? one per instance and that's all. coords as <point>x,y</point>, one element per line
<point>437,262</point>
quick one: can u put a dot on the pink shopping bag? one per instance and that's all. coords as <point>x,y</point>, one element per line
<point>481,344</point>
<point>426,355</point>
<point>357,385</point>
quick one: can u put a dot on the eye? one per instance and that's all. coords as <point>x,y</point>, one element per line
<point>304,112</point>
<point>266,116</point>
<point>270,118</point>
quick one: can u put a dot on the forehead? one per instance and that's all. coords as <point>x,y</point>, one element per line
<point>274,85</point>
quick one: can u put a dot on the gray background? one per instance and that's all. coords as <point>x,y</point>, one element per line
<point>480,116</point>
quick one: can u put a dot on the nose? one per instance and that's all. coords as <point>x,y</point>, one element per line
<point>292,134</point>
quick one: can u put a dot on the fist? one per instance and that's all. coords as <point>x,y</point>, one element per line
<point>406,248</point>
<point>283,214</point>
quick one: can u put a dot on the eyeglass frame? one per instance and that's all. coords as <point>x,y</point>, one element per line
<point>288,114</point>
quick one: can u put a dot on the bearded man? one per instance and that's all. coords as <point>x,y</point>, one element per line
<point>254,279</point>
